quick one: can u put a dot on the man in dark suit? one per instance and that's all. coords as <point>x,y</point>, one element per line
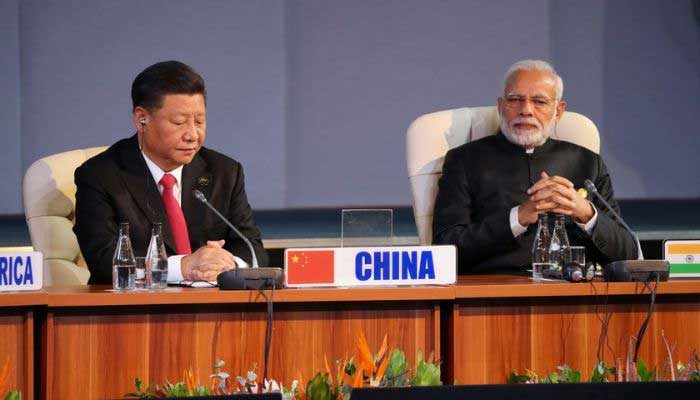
<point>149,178</point>
<point>492,189</point>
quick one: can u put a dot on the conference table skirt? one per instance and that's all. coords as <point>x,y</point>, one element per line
<point>92,343</point>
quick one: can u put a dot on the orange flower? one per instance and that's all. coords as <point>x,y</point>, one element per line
<point>300,389</point>
<point>364,356</point>
<point>328,369</point>
<point>357,379</point>
<point>375,368</point>
<point>382,361</point>
<point>188,378</point>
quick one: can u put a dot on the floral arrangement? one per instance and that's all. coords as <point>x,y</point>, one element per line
<point>383,369</point>
<point>628,370</point>
<point>4,373</point>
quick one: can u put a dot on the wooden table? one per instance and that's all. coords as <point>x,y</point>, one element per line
<point>97,342</point>
<point>94,342</point>
<point>17,311</point>
<point>500,323</point>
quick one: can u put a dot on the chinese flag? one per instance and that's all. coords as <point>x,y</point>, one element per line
<point>310,266</point>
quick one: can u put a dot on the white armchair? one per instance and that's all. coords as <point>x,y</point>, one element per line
<point>49,206</point>
<point>430,136</point>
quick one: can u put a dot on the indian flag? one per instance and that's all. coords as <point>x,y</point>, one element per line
<point>684,257</point>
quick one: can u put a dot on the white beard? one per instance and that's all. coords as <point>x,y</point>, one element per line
<point>528,138</point>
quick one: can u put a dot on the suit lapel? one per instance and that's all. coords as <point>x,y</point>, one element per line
<point>195,176</point>
<point>139,182</point>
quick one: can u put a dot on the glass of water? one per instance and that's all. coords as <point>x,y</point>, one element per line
<point>577,254</point>
<point>540,264</point>
<point>141,273</point>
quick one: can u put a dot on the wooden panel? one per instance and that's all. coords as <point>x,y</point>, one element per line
<point>16,343</point>
<point>92,355</point>
<point>543,334</point>
<point>104,352</point>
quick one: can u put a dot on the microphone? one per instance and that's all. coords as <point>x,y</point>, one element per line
<point>249,278</point>
<point>200,196</point>
<point>630,270</point>
<point>244,278</point>
<point>592,189</point>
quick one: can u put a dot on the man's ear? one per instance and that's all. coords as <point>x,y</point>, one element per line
<point>499,105</point>
<point>561,107</point>
<point>140,118</point>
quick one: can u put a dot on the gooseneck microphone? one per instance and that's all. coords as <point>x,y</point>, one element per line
<point>639,270</point>
<point>592,189</point>
<point>249,278</point>
<point>200,196</point>
<point>244,278</point>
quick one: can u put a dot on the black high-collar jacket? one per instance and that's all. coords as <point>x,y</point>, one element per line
<point>484,179</point>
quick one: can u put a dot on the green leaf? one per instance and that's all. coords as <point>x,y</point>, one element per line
<point>396,370</point>
<point>202,391</point>
<point>138,384</point>
<point>515,378</point>
<point>319,388</point>
<point>644,374</point>
<point>568,375</point>
<point>14,395</point>
<point>601,373</point>
<point>350,367</point>
<point>427,374</point>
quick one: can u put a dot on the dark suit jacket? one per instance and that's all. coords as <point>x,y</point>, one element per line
<point>484,179</point>
<point>116,186</point>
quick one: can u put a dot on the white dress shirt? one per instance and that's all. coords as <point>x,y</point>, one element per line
<point>175,261</point>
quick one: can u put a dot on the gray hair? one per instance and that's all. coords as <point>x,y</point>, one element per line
<point>535,65</point>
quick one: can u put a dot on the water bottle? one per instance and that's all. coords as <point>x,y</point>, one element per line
<point>123,262</point>
<point>541,248</point>
<point>559,248</point>
<point>156,259</point>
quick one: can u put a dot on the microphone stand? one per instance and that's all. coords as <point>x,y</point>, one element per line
<point>639,270</point>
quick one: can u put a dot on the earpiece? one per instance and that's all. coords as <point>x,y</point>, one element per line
<point>143,121</point>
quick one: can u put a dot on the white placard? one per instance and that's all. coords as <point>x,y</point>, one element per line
<point>370,266</point>
<point>21,271</point>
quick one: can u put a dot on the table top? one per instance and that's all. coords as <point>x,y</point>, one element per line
<point>467,287</point>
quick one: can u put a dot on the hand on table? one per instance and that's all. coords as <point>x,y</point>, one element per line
<point>207,262</point>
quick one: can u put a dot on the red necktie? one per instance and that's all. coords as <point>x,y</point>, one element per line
<point>178,226</point>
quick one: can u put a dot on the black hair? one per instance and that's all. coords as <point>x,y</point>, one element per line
<point>163,78</point>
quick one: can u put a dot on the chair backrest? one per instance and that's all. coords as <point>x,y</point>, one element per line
<point>49,207</point>
<point>430,136</point>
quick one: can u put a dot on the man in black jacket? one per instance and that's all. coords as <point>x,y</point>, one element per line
<point>150,177</point>
<point>493,189</point>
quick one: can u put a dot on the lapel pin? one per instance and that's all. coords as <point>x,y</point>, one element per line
<point>203,181</point>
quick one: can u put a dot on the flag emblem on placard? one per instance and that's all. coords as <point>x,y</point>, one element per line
<point>310,266</point>
<point>684,257</point>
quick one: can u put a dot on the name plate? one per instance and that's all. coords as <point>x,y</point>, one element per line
<point>683,256</point>
<point>370,266</point>
<point>21,271</point>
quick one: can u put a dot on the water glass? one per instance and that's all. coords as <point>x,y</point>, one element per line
<point>577,254</point>
<point>141,273</point>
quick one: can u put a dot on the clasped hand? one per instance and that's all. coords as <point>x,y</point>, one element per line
<point>554,194</point>
<point>207,262</point>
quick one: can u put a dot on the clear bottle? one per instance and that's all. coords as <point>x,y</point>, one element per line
<point>540,248</point>
<point>123,262</point>
<point>156,259</point>
<point>559,248</point>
